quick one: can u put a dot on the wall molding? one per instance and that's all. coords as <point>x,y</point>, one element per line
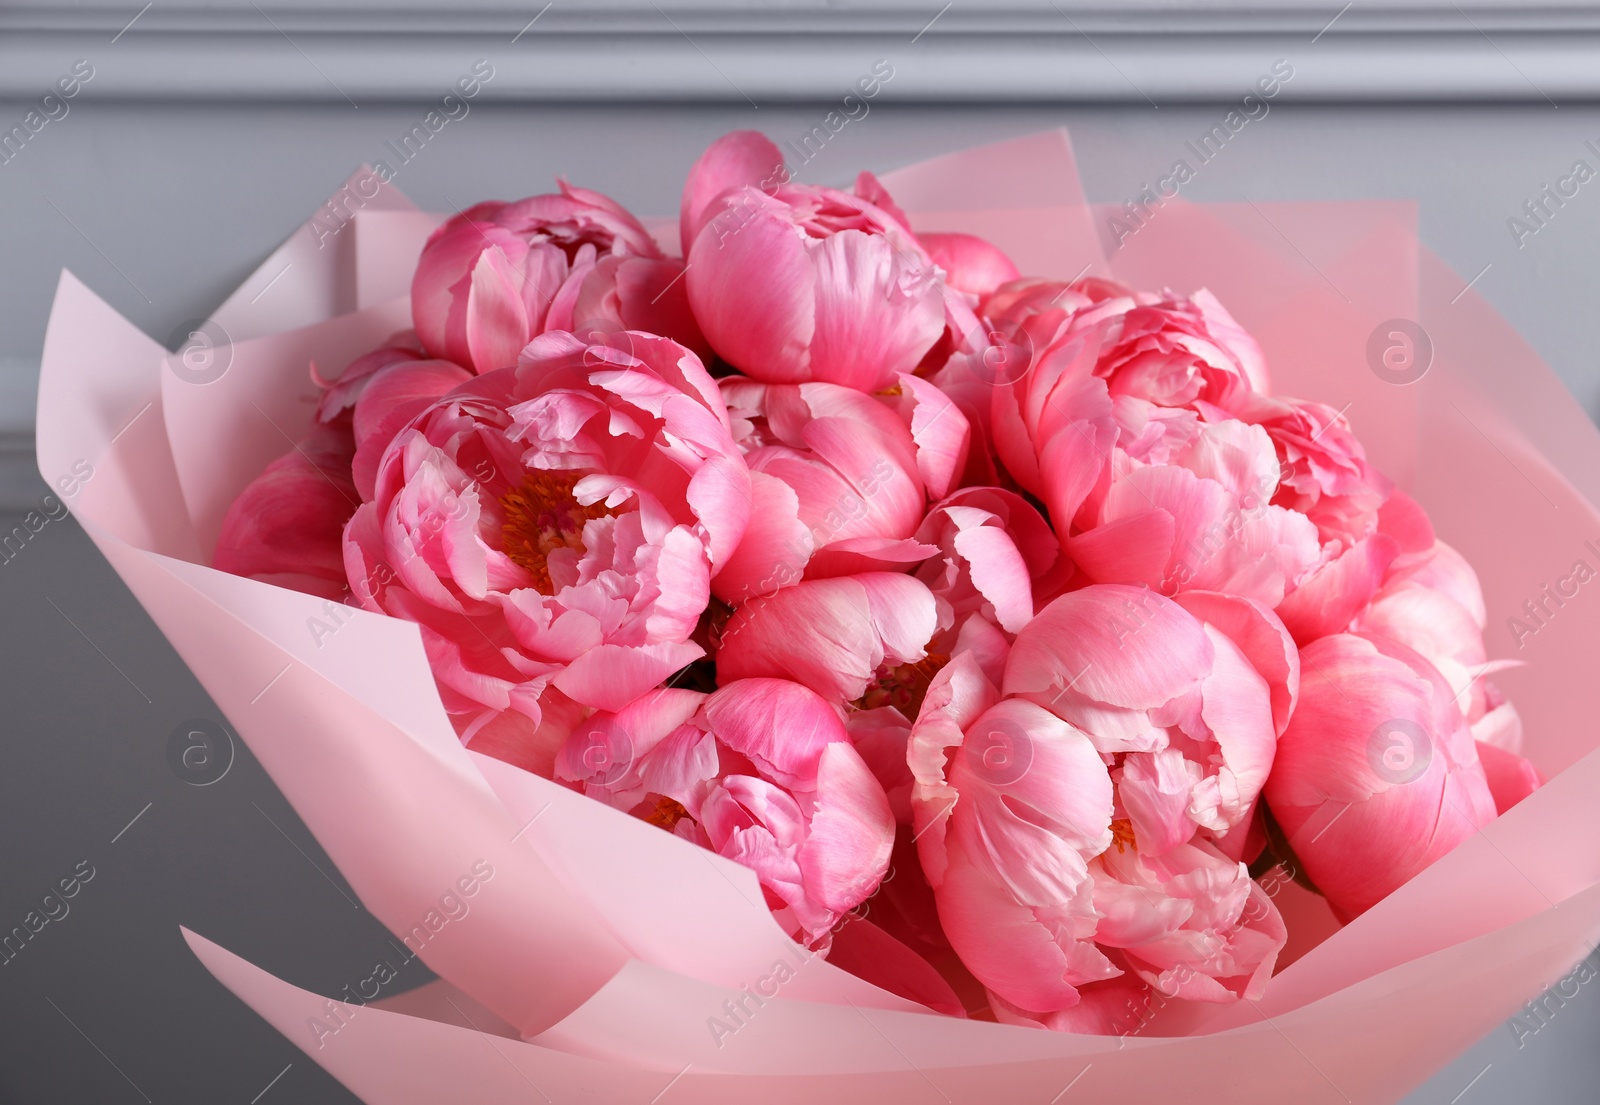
<point>1139,52</point>
<point>1035,51</point>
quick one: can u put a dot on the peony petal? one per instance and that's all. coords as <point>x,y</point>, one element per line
<point>738,159</point>
<point>611,676</point>
<point>870,953</point>
<point>497,324</point>
<point>1511,778</point>
<point>846,854</point>
<point>878,310</point>
<point>941,433</point>
<point>781,726</point>
<point>971,264</point>
<point>752,288</point>
<point>1261,636</point>
<point>1123,646</point>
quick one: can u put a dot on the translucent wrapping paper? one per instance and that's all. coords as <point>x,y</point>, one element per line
<point>585,955</point>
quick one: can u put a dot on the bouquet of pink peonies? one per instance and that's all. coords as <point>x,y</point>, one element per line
<point>832,623</point>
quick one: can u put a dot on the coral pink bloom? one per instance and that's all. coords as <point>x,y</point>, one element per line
<point>498,274</point>
<point>1142,426</point>
<point>760,771</point>
<point>1116,426</point>
<point>1045,888</point>
<point>841,478</point>
<point>795,282</point>
<point>286,527</point>
<point>1186,705</point>
<point>553,527</point>
<point>1377,774</point>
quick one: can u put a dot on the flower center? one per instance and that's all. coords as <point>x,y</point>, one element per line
<point>541,515</point>
<point>902,686</point>
<point>664,814</point>
<point>1122,835</point>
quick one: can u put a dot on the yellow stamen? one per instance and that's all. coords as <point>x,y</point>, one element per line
<point>541,516</point>
<point>1122,835</point>
<point>665,814</point>
<point>903,686</point>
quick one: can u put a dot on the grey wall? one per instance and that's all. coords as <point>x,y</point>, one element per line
<point>162,206</point>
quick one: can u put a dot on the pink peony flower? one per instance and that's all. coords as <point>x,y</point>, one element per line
<point>794,282</point>
<point>553,529</point>
<point>1377,774</point>
<point>841,479</point>
<point>1117,384</point>
<point>499,274</point>
<point>1142,425</point>
<point>760,771</point>
<point>1082,824</point>
<point>1187,704</point>
<point>287,526</point>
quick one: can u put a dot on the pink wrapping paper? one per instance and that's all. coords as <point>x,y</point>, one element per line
<point>594,958</point>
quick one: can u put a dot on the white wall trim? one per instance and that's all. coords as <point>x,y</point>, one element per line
<point>712,50</point>
<point>621,51</point>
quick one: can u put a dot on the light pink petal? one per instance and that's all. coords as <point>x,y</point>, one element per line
<point>852,832</point>
<point>971,264</point>
<point>1155,789</point>
<point>446,261</point>
<point>941,434</point>
<point>752,287</point>
<point>611,676</point>
<point>878,310</point>
<point>497,323</point>
<point>957,696</point>
<point>1135,548</point>
<point>1123,646</point>
<point>1330,597</point>
<point>1511,778</point>
<point>774,547</point>
<point>1261,636</point>
<point>903,614</point>
<point>829,634</point>
<point>1237,706</point>
<point>781,726</point>
<point>999,574</point>
<point>738,159</point>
